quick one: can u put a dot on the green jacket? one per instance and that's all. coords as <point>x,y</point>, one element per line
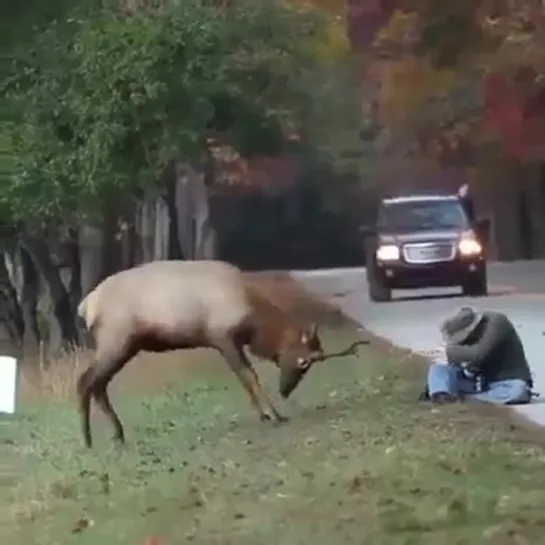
<point>497,355</point>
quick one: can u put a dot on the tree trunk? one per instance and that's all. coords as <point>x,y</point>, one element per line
<point>90,244</point>
<point>535,199</point>
<point>525,224</point>
<point>25,279</point>
<point>146,229</point>
<point>162,228</point>
<point>195,230</point>
<point>38,252</point>
<point>128,244</point>
<point>183,203</point>
<point>74,263</point>
<point>175,247</point>
<point>10,312</point>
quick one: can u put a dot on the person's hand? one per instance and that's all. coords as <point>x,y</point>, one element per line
<point>463,191</point>
<point>438,354</point>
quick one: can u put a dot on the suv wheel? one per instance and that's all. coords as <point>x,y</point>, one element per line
<point>377,291</point>
<point>476,286</point>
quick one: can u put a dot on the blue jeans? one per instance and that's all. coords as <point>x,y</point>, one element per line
<point>449,379</point>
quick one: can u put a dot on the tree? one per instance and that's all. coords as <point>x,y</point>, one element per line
<point>463,83</point>
<point>111,108</point>
<point>110,98</point>
<point>437,60</point>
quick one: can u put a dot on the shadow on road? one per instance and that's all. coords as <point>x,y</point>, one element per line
<point>494,292</point>
<point>425,297</point>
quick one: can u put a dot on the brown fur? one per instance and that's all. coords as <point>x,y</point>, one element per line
<point>131,312</point>
<point>274,332</point>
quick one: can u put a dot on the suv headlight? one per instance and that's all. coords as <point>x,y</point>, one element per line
<point>388,252</point>
<point>469,247</point>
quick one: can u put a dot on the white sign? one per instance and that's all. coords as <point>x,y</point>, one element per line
<point>8,384</point>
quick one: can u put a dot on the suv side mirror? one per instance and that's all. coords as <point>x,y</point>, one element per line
<point>482,230</point>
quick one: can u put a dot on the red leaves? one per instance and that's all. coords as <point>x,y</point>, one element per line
<point>260,172</point>
<point>365,19</point>
<point>517,112</point>
<point>153,540</point>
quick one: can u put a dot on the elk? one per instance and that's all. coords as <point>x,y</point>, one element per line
<point>168,305</point>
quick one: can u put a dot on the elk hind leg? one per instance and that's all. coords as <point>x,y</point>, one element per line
<point>83,388</point>
<point>102,399</point>
<point>93,383</point>
<point>116,362</point>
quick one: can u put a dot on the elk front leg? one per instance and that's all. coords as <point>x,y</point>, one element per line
<point>271,410</point>
<point>245,372</point>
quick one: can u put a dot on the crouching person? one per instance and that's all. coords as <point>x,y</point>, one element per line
<point>485,361</point>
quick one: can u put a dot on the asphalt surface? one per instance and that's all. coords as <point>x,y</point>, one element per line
<point>411,320</point>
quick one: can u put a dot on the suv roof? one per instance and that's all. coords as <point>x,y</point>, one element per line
<point>420,198</point>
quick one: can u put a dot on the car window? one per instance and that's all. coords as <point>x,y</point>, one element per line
<point>422,215</point>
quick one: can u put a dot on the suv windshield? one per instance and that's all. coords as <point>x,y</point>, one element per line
<point>422,215</point>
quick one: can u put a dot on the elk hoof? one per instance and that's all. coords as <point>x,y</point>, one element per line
<point>275,419</point>
<point>119,438</point>
<point>279,420</point>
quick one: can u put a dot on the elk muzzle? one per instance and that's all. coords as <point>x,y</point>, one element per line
<point>292,374</point>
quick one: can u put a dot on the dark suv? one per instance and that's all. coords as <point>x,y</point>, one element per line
<point>425,241</point>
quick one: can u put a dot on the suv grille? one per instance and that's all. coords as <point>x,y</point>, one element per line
<point>429,252</point>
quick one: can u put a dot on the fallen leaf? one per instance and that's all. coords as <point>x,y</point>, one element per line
<point>105,483</point>
<point>355,484</point>
<point>153,540</point>
<point>82,524</point>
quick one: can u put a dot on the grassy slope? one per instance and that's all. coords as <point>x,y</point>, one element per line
<point>361,462</point>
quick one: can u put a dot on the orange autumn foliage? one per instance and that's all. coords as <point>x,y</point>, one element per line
<point>259,172</point>
<point>337,7</point>
<point>404,86</point>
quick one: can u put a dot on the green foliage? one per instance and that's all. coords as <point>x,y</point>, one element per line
<point>19,24</point>
<point>107,99</point>
<point>20,20</point>
<point>449,32</point>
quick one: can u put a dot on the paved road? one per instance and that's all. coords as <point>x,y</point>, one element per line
<point>411,320</point>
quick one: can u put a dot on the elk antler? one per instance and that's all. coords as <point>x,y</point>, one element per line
<point>352,350</point>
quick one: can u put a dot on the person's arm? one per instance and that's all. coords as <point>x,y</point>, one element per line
<point>474,354</point>
<point>469,207</point>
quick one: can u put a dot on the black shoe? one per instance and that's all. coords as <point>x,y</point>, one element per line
<point>443,397</point>
<point>424,396</point>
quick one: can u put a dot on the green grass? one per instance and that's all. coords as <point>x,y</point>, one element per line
<point>360,462</point>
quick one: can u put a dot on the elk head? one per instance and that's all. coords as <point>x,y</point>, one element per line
<point>301,348</point>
